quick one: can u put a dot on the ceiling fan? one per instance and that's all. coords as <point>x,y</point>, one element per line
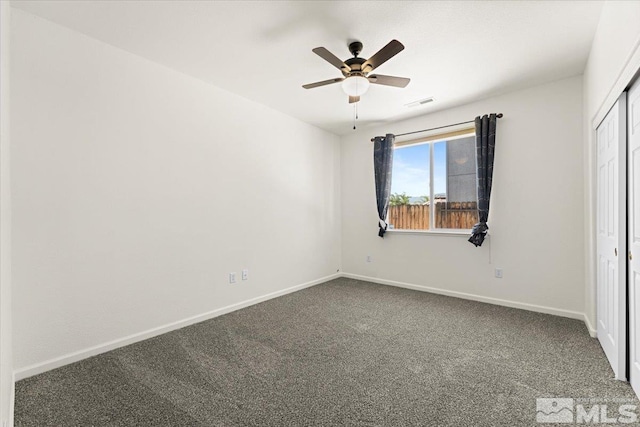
<point>356,70</point>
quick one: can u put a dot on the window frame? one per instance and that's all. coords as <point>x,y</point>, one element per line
<point>458,132</point>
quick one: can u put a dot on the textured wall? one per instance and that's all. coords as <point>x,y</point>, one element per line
<point>6,362</point>
<point>536,218</point>
<point>137,189</point>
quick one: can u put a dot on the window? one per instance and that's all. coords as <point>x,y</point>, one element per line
<point>433,186</point>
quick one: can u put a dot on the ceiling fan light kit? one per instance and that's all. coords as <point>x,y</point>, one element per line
<point>356,70</point>
<point>355,85</point>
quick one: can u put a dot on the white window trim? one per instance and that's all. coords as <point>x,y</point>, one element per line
<point>428,139</point>
<point>439,232</point>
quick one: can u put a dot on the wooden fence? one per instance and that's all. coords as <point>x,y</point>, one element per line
<point>460,215</point>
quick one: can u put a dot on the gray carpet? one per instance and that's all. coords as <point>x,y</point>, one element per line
<point>342,353</point>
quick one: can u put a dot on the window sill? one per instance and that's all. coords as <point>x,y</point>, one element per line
<point>464,233</point>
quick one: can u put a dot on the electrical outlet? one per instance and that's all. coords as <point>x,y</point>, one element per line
<point>499,273</point>
<point>245,274</point>
<point>368,258</point>
<point>232,277</point>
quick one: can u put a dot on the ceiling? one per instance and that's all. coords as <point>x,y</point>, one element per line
<point>456,52</point>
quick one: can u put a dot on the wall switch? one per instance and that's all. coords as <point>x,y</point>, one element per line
<point>368,258</point>
<point>499,273</point>
<point>245,274</point>
<point>232,277</point>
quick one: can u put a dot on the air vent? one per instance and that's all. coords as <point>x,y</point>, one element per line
<point>419,102</point>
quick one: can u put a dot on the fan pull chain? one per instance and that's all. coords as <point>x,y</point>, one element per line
<point>355,114</point>
<point>354,117</point>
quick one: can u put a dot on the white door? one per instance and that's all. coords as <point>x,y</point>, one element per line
<point>611,236</point>
<point>633,201</point>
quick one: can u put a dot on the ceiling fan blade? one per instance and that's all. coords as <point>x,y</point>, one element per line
<point>353,99</point>
<point>323,83</point>
<point>392,48</point>
<point>380,79</point>
<point>331,59</point>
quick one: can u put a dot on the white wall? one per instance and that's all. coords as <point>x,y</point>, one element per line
<point>124,208</point>
<point>613,60</point>
<point>536,217</point>
<point>6,363</point>
<point>137,189</point>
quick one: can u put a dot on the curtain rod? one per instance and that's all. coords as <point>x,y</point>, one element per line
<point>499,115</point>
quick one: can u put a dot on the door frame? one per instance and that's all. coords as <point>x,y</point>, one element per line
<point>634,89</point>
<point>619,359</point>
<point>628,72</point>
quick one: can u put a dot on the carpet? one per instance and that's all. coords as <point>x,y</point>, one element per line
<point>345,352</point>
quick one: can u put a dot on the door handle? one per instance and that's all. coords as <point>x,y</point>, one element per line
<point>630,256</point>
<point>615,251</point>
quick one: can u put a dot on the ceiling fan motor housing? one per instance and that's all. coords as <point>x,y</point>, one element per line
<point>355,64</point>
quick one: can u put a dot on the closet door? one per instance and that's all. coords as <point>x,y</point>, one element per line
<point>633,220</point>
<point>611,236</point>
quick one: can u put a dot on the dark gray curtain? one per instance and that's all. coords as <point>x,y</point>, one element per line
<point>485,148</point>
<point>382,163</point>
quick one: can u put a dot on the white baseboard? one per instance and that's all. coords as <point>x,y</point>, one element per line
<point>48,365</point>
<point>592,330</point>
<point>473,297</point>
<point>12,399</point>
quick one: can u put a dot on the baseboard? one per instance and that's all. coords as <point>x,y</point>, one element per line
<point>592,330</point>
<point>12,399</point>
<point>48,365</point>
<point>473,297</point>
